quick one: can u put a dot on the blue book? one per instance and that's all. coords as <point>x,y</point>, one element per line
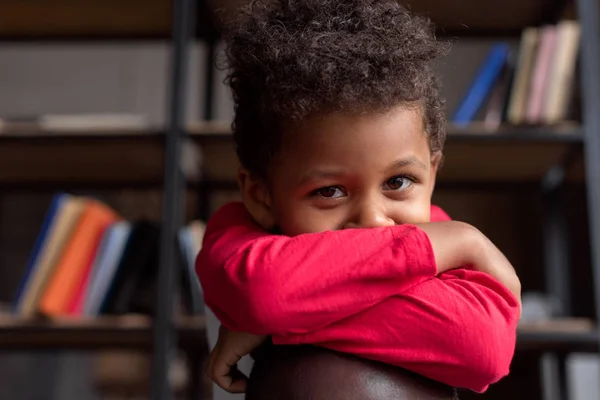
<point>57,202</point>
<point>483,84</point>
<point>105,266</point>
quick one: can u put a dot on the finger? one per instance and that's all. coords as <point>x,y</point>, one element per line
<point>218,370</point>
<point>221,373</point>
<point>233,382</point>
<point>224,372</point>
<point>224,361</point>
<point>211,362</point>
<point>239,381</point>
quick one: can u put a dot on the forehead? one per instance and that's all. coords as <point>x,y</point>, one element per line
<point>369,142</point>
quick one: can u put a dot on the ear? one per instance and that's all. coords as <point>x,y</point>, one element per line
<point>256,198</point>
<point>436,161</point>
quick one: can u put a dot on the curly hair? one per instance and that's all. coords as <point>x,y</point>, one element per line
<point>289,60</point>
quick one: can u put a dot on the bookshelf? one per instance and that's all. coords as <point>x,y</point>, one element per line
<point>543,157</point>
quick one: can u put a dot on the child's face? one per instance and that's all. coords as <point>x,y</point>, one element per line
<point>342,171</point>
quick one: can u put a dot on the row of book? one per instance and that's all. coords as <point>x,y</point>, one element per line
<point>87,261</point>
<point>537,86</point>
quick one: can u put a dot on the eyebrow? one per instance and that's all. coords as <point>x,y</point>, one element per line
<point>334,173</point>
<point>412,160</point>
<point>321,174</point>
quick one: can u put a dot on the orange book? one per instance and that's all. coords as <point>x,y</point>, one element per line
<point>75,303</point>
<point>78,254</point>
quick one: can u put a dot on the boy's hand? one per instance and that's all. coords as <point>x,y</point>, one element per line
<point>222,362</point>
<point>457,244</point>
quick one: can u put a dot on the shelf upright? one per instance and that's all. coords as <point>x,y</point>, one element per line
<point>165,336</point>
<point>590,86</point>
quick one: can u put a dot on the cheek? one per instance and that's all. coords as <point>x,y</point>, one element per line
<point>414,211</point>
<point>299,218</point>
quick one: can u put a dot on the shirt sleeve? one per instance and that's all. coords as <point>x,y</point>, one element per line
<point>438,215</point>
<point>458,329</point>
<point>263,283</point>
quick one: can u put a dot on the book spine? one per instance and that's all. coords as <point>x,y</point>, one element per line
<point>539,79</point>
<point>482,85</point>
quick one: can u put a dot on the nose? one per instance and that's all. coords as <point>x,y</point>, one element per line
<point>370,216</point>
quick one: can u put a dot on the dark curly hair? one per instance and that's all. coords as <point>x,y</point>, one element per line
<point>289,60</point>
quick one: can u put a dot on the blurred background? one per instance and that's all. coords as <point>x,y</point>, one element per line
<point>87,93</point>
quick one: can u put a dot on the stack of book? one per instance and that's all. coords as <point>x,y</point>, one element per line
<point>537,87</point>
<point>89,261</point>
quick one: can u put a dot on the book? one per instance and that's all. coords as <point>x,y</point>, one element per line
<point>540,74</point>
<point>520,86</point>
<point>481,87</point>
<point>562,76</point>
<point>497,107</point>
<point>140,251</point>
<point>50,221</point>
<point>105,248</point>
<point>139,293</point>
<point>105,266</point>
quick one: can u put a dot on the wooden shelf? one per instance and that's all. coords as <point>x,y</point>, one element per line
<point>113,19</point>
<point>459,18</point>
<point>564,133</point>
<point>126,332</point>
<point>564,335</point>
<point>511,154</point>
<point>60,20</point>
<point>472,155</point>
<point>135,332</point>
<point>37,158</point>
<point>93,158</point>
<point>487,18</point>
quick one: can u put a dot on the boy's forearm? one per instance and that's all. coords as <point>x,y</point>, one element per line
<point>269,287</point>
<point>265,284</point>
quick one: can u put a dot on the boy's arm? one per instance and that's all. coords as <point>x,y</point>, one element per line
<point>263,283</point>
<point>477,313</point>
<point>271,284</point>
<point>458,328</point>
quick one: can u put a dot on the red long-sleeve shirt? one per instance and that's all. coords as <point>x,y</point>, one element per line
<point>369,292</point>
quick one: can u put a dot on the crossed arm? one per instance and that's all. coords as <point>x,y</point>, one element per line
<point>376,293</point>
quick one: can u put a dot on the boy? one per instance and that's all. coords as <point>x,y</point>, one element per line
<point>339,128</point>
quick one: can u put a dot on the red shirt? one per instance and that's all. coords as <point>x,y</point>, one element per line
<point>370,292</point>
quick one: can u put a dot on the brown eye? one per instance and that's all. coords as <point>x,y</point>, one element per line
<point>397,183</point>
<point>330,192</point>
